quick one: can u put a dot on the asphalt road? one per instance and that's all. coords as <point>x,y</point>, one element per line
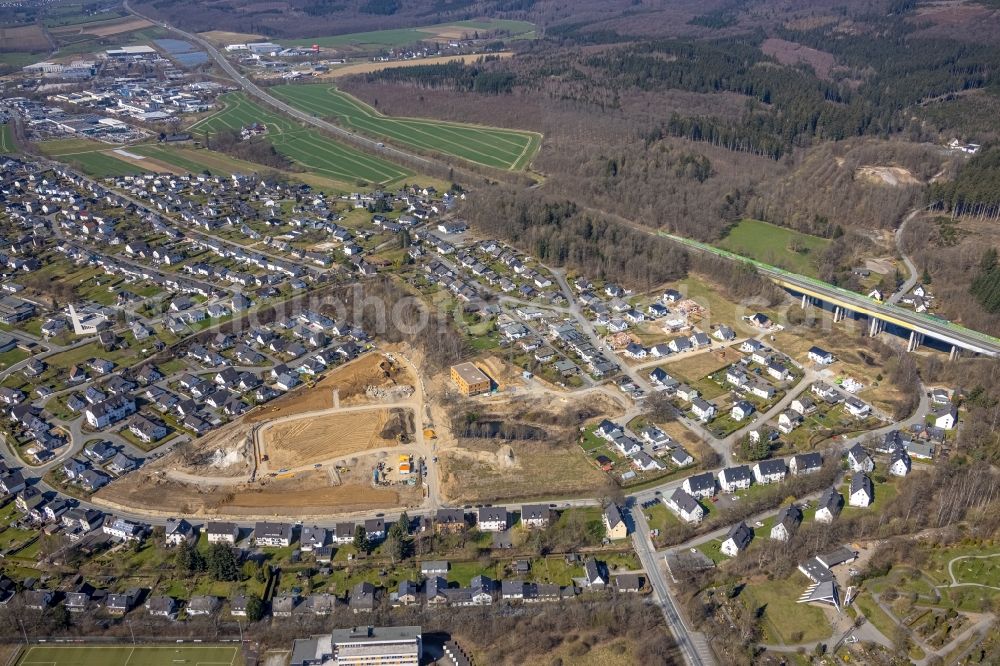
<point>693,645</point>
<point>911,281</point>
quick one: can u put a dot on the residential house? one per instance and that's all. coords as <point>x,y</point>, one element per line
<point>595,574</point>
<point>899,463</point>
<point>805,463</point>
<point>680,457</point>
<point>862,491</point>
<point>227,533</point>
<point>859,460</point>
<point>769,471</point>
<point>821,356</point>
<point>161,606</point>
<point>178,531</point>
<point>857,408</point>
<point>741,410</point>
<point>685,506</point>
<point>362,598</point>
<point>786,522</point>
<point>732,479</point>
<point>536,515</point>
<point>803,405</point>
<point>700,485</point>
<point>124,530</point>
<point>312,538</point>
<point>614,524</point>
<point>737,540</point>
<point>704,410</point>
<point>829,505</point>
<point>430,568</point>
<point>778,371</point>
<point>946,417</point>
<point>449,520</point>
<point>493,519</point>
<point>202,605</point>
<point>789,421</point>
<point>119,604</point>
<point>275,535</point>
<point>724,333</point>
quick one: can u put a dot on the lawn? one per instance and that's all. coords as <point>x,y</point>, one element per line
<point>462,573</point>
<point>407,36</point>
<point>142,655</point>
<point>786,619</point>
<point>308,147</point>
<point>489,146</point>
<point>777,246</point>
<point>884,494</point>
<point>555,570</point>
<point>711,550</point>
<point>11,357</point>
<point>875,615</point>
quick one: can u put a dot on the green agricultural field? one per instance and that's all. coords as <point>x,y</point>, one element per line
<point>121,655</point>
<point>308,147</point>
<point>489,146</point>
<point>778,246</point>
<point>407,36</point>
<point>7,146</point>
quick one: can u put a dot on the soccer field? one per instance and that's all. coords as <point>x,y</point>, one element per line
<point>7,146</point>
<point>489,146</point>
<point>311,149</point>
<point>123,655</point>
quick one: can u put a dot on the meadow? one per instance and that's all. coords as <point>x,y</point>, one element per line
<point>408,36</point>
<point>489,146</point>
<point>308,147</point>
<point>87,156</point>
<point>778,246</point>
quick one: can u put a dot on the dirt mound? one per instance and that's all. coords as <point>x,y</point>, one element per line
<point>399,392</point>
<point>886,175</point>
<point>399,427</point>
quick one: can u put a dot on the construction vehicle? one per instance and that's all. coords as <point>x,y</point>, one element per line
<point>429,433</point>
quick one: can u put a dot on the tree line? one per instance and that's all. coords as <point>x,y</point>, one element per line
<point>975,191</point>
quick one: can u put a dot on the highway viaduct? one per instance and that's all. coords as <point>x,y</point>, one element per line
<point>922,328</point>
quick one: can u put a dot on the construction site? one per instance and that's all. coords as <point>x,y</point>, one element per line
<point>374,433</point>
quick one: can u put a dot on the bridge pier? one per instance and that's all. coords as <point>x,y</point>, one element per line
<point>838,313</point>
<point>875,326</point>
<point>805,301</point>
<point>916,339</point>
<point>955,353</point>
